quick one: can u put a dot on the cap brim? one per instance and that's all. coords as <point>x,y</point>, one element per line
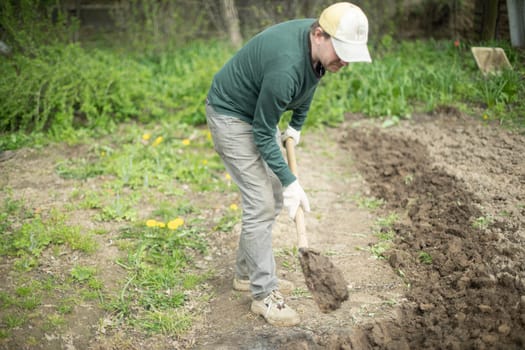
<point>351,52</point>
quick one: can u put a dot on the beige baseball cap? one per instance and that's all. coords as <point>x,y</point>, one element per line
<point>348,27</point>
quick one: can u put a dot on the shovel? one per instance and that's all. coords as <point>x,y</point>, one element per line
<point>325,281</point>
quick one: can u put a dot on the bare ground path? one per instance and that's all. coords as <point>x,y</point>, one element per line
<point>337,227</point>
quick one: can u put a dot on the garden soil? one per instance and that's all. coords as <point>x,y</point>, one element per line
<point>452,277</point>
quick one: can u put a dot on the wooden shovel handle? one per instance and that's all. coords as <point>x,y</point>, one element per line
<point>302,240</point>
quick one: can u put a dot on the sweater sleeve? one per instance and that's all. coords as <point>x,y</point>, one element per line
<point>276,92</point>
<point>300,113</point>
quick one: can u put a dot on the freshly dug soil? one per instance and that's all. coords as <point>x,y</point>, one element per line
<point>325,281</point>
<point>460,185</point>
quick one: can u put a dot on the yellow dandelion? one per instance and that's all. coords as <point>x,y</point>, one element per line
<point>151,223</point>
<point>186,142</point>
<point>485,117</point>
<point>146,136</point>
<point>233,206</point>
<point>227,176</point>
<point>161,224</point>
<point>102,154</point>
<point>175,224</point>
<point>157,141</point>
<point>205,162</point>
<point>208,135</point>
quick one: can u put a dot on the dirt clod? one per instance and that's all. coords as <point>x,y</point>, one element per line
<point>325,281</point>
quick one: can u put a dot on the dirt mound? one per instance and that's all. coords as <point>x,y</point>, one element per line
<point>462,260</point>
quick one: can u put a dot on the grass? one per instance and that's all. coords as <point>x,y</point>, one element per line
<point>482,222</point>
<point>157,247</point>
<point>368,202</point>
<point>384,234</point>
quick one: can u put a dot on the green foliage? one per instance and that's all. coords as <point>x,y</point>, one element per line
<point>12,211</point>
<point>82,274</point>
<point>154,27</point>
<point>12,321</point>
<point>29,25</point>
<point>145,160</point>
<point>26,239</point>
<point>66,88</point>
<point>388,221</point>
<point>425,258</point>
<point>368,202</point>
<point>156,263</point>
<point>419,76</point>
<point>230,218</point>
<point>385,236</point>
<point>119,208</point>
<point>483,222</point>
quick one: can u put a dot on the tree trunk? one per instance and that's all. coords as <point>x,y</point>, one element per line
<point>231,18</point>
<point>490,17</point>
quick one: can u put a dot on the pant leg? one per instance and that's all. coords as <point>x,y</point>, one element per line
<point>261,193</point>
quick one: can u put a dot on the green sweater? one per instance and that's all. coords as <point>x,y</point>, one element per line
<point>270,75</point>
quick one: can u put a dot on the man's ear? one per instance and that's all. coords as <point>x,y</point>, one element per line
<point>318,34</point>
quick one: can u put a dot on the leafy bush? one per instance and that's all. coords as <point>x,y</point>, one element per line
<point>30,25</point>
<point>420,76</point>
<point>68,87</point>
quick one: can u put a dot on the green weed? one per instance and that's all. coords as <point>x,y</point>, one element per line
<point>121,207</point>
<point>385,235</point>
<point>27,241</point>
<point>228,221</point>
<point>425,258</point>
<point>78,169</point>
<point>53,322</point>
<point>388,221</point>
<point>157,276</point>
<point>167,322</point>
<point>289,258</point>
<point>368,202</point>
<point>94,89</point>
<point>13,321</point>
<point>66,305</point>
<point>82,274</point>
<point>379,249</point>
<point>301,293</point>
<point>483,222</point>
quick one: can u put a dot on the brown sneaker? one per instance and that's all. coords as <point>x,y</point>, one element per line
<point>241,285</point>
<point>275,311</point>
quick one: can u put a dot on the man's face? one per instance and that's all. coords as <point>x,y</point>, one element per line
<point>327,55</point>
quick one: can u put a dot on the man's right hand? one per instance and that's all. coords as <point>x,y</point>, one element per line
<point>290,133</point>
<point>294,196</point>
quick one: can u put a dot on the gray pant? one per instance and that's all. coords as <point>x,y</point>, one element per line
<point>262,199</point>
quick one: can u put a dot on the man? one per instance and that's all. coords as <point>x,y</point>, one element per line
<point>277,70</point>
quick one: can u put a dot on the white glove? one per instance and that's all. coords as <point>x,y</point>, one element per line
<point>294,196</point>
<point>291,132</point>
